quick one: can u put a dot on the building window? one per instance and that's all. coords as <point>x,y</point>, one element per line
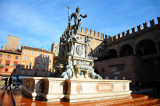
<point>6,70</point>
<point>25,58</point>
<point>15,63</point>
<point>16,57</point>
<point>22,72</point>
<point>36,73</point>
<point>31,53</point>
<point>24,64</point>
<point>43,72</point>
<point>44,55</point>
<point>25,52</point>
<point>7,63</point>
<point>37,59</point>
<point>44,60</point>
<point>0,55</point>
<point>37,65</point>
<point>38,54</point>
<point>50,56</point>
<point>29,72</point>
<point>49,61</point>
<point>9,56</point>
<point>44,66</point>
<point>30,65</point>
<point>49,66</point>
<point>14,70</point>
<point>31,58</point>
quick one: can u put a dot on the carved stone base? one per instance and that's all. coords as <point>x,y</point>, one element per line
<point>50,89</point>
<point>89,90</point>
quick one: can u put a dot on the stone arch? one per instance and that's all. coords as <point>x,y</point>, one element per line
<point>126,50</point>
<point>112,53</point>
<point>145,47</point>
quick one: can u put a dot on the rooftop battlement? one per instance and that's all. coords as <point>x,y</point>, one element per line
<point>91,33</point>
<point>123,35</point>
<point>128,33</point>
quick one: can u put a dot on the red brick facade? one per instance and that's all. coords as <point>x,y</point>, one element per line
<point>9,60</point>
<point>27,62</point>
<point>135,56</point>
<point>35,62</point>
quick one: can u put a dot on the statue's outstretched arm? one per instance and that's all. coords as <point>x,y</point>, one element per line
<point>83,16</point>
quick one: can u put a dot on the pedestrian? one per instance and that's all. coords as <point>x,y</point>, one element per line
<point>5,86</point>
<point>10,82</point>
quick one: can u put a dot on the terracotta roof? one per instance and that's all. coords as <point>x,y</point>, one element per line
<point>37,49</point>
<point>11,51</point>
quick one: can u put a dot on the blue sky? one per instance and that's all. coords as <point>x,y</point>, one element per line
<point>40,22</point>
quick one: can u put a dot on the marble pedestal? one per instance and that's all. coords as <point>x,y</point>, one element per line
<point>75,90</point>
<point>50,89</point>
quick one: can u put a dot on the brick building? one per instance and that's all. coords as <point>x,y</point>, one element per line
<point>35,62</point>
<point>9,60</point>
<point>28,61</point>
<point>135,55</point>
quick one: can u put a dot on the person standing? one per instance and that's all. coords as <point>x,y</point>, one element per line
<point>10,82</point>
<point>6,80</point>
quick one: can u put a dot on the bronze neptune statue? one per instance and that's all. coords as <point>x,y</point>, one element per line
<point>77,20</point>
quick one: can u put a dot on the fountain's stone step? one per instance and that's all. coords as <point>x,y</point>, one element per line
<point>136,100</point>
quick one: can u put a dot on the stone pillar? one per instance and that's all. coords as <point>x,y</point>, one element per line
<point>95,33</point>
<point>134,51</point>
<point>139,27</point>
<point>145,25</point>
<point>91,32</point>
<point>123,34</point>
<point>133,30</point>
<point>119,35</point>
<point>152,22</point>
<point>37,88</point>
<point>128,32</point>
